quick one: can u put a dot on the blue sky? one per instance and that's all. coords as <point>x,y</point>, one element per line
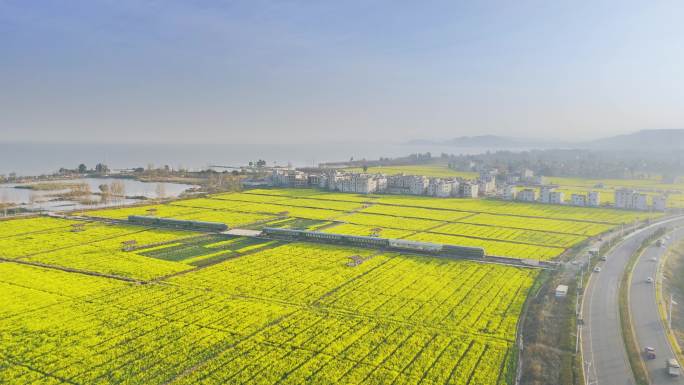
<point>284,71</point>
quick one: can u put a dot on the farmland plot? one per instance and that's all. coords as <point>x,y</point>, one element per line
<point>518,208</point>
<point>12,228</point>
<point>507,234</point>
<point>367,231</point>
<point>540,224</point>
<point>294,314</point>
<point>389,222</point>
<point>31,243</point>
<point>493,247</point>
<point>260,208</point>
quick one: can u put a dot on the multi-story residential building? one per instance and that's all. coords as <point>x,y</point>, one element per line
<point>289,178</point>
<point>556,197</point>
<point>623,198</point>
<point>487,186</point>
<point>527,195</point>
<point>360,183</point>
<point>660,203</point>
<point>455,188</point>
<point>578,199</point>
<point>594,199</point>
<point>407,184</point>
<point>545,194</point>
<point>509,192</point>
<point>630,199</point>
<point>440,187</point>
<point>315,179</point>
<point>487,182</point>
<point>469,190</point>
<point>640,201</point>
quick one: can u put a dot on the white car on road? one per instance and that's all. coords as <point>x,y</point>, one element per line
<point>597,269</point>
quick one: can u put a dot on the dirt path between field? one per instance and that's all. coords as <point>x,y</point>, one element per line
<point>72,270</point>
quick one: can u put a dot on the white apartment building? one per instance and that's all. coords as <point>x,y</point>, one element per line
<point>527,195</point>
<point>578,199</point>
<point>440,187</point>
<point>315,179</point>
<point>556,197</point>
<point>469,190</point>
<point>289,178</point>
<point>407,184</point>
<point>487,182</point>
<point>640,201</point>
<point>526,173</point>
<point>359,183</point>
<point>630,199</point>
<point>509,192</point>
<point>487,187</point>
<point>594,199</point>
<point>545,194</point>
<point>455,188</point>
<point>660,203</point>
<point>623,198</point>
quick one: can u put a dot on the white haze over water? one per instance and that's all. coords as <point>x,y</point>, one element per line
<point>46,158</point>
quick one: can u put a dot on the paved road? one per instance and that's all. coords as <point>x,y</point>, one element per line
<point>602,345</point>
<point>648,326</point>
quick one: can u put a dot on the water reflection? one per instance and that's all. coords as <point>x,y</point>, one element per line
<point>88,193</point>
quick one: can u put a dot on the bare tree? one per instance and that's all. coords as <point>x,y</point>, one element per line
<point>118,190</point>
<point>4,202</point>
<point>106,192</point>
<point>33,198</point>
<point>161,191</point>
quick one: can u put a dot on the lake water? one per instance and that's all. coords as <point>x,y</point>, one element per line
<point>43,201</point>
<point>44,158</point>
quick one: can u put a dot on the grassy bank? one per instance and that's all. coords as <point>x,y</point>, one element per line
<point>673,284</point>
<point>550,328</point>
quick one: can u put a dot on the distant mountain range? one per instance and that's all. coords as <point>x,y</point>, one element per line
<point>654,140</point>
<point>491,141</point>
<point>646,140</point>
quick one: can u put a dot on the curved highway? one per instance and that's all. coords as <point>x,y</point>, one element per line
<point>648,325</point>
<point>603,350</point>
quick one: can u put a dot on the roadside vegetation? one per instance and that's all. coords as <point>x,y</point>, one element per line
<point>550,332</point>
<point>673,272</point>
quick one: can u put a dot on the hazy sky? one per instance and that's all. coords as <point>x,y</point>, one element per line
<point>270,71</point>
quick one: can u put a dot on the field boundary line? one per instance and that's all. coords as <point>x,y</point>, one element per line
<point>31,368</point>
<point>73,270</point>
